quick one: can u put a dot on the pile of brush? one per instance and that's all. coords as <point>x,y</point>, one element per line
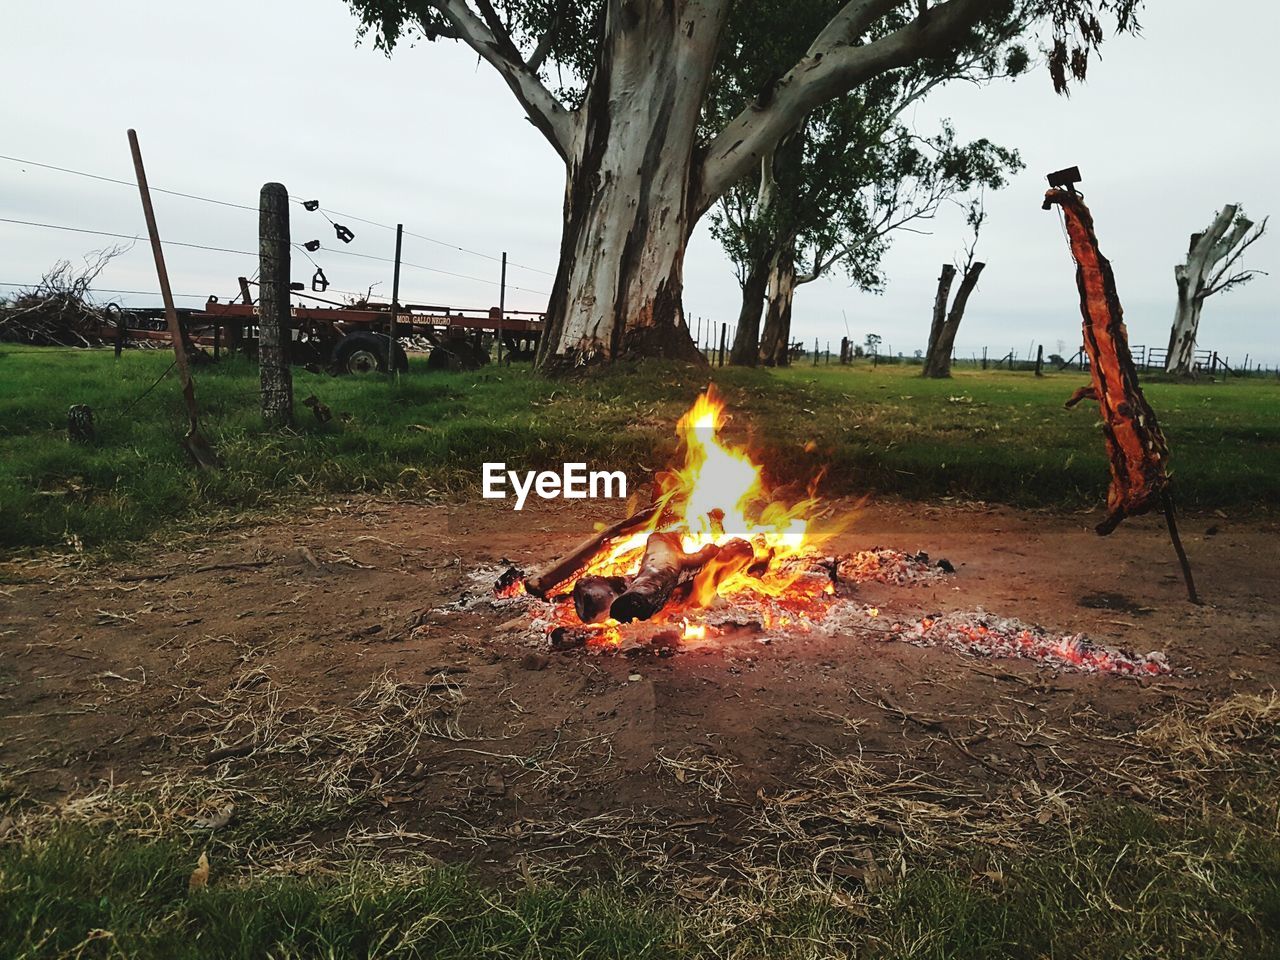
<point>59,310</point>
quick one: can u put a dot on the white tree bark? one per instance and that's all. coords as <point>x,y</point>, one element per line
<point>1197,281</point>
<point>775,341</point>
<point>637,180</point>
<point>545,112</point>
<point>628,202</point>
<point>835,63</point>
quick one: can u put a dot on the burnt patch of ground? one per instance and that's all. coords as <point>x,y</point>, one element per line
<point>303,676</point>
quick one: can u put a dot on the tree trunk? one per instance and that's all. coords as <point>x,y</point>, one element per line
<point>630,200</point>
<point>1204,253</point>
<point>275,378</point>
<point>1181,357</point>
<point>938,365</point>
<point>939,316</point>
<point>775,342</point>
<point>746,342</point>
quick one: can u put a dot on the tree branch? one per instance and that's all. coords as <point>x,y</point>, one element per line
<point>489,38</point>
<point>834,64</point>
<point>543,49</point>
<point>1217,284</point>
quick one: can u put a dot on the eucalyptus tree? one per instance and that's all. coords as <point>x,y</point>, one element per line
<point>832,192</point>
<point>832,199</point>
<point>617,87</point>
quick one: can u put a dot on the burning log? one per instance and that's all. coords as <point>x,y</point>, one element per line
<point>558,571</point>
<point>593,596</point>
<point>660,569</point>
<point>733,557</point>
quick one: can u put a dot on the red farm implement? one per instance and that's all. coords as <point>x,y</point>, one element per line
<point>349,339</point>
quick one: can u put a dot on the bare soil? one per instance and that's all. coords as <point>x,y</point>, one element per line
<point>115,672</point>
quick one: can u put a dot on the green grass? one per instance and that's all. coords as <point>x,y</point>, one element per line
<point>1117,882</point>
<point>997,436</point>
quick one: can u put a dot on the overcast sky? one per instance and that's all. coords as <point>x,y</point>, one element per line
<point>225,96</point>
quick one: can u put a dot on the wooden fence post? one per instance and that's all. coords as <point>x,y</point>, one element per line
<point>1040,361</point>
<point>274,328</point>
<point>502,304</point>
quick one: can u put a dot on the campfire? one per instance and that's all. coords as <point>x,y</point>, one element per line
<point>720,555</point>
<point>716,539</point>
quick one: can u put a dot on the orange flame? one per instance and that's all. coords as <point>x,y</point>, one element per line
<point>716,497</point>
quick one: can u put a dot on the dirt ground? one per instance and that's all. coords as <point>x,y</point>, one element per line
<point>306,652</point>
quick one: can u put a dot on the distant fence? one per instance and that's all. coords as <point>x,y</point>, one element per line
<point>708,335</point>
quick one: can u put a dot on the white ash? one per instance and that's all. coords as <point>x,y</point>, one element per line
<point>986,635</point>
<point>893,567</point>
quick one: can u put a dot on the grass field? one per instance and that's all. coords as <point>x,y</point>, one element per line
<point>1116,882</point>
<point>997,436</point>
<point>1174,852</point>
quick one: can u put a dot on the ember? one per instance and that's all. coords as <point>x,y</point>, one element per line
<point>984,635</point>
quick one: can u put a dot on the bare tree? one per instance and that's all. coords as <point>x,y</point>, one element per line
<point>942,333</point>
<point>1210,268</point>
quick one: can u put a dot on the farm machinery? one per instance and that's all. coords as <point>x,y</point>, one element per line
<point>346,339</point>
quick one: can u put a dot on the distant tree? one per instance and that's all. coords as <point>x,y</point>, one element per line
<point>618,88</point>
<point>873,342</point>
<point>942,332</point>
<point>1210,268</point>
<point>832,193</point>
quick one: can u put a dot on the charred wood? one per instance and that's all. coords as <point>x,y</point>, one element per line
<point>569,638</point>
<point>660,569</point>
<point>593,596</point>
<point>545,579</point>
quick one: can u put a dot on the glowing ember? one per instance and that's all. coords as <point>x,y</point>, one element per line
<point>985,635</point>
<point>694,631</point>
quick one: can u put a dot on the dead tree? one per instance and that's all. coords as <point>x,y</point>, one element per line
<point>1210,268</point>
<point>942,333</point>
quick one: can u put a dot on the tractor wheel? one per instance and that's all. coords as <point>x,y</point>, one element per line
<point>364,353</point>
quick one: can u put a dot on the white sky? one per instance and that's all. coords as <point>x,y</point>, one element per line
<point>226,96</point>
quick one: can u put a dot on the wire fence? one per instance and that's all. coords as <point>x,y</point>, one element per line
<point>334,218</point>
<point>714,339</point>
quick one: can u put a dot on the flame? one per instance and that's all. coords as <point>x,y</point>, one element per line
<point>718,495</point>
<point>694,631</point>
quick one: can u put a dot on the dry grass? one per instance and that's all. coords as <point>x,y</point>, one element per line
<point>1217,737</point>
<point>794,872</point>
